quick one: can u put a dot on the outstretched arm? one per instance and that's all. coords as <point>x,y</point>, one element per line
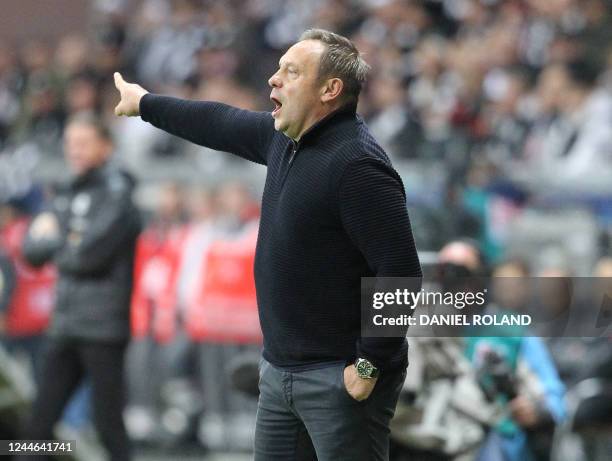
<point>211,124</point>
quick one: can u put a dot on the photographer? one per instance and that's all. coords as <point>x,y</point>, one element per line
<point>515,372</point>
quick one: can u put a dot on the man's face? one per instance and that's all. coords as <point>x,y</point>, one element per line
<point>552,85</point>
<point>84,148</point>
<point>296,89</point>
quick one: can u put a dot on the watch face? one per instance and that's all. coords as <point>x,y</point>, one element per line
<point>364,368</point>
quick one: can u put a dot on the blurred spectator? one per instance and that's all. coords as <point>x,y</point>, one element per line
<point>43,117</point>
<point>390,120</point>
<point>71,56</point>
<point>235,207</point>
<point>590,410</point>
<point>156,268</point>
<point>29,308</point>
<point>569,353</point>
<point>90,234</point>
<point>507,112</point>
<point>10,83</point>
<point>82,94</point>
<point>226,281</point>
<point>167,55</point>
<point>156,330</point>
<point>200,233</point>
<point>577,145</point>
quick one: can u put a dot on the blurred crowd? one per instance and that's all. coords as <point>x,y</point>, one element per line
<point>496,113</point>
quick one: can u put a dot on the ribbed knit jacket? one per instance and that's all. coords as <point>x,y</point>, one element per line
<point>333,211</point>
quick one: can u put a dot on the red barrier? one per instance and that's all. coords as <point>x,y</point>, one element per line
<point>155,275</point>
<point>225,307</point>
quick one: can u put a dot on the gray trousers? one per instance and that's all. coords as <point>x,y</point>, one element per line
<point>309,416</point>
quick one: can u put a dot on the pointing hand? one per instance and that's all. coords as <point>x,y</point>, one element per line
<point>131,94</point>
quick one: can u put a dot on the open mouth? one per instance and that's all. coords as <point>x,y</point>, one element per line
<point>277,105</point>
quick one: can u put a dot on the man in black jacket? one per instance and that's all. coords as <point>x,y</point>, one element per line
<point>333,211</point>
<point>90,235</point>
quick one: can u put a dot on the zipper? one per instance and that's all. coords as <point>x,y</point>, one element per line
<point>294,150</point>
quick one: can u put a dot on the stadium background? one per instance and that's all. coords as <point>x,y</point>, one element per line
<point>497,114</point>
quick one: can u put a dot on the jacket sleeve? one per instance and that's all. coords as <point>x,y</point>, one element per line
<point>536,356</point>
<point>115,223</point>
<point>212,124</point>
<point>374,215</point>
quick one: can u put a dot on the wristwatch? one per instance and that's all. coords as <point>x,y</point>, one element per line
<point>365,369</point>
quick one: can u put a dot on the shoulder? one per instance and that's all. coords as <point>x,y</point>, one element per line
<point>117,180</point>
<point>361,158</point>
<point>359,146</point>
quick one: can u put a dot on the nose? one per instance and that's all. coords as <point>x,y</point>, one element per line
<point>275,81</point>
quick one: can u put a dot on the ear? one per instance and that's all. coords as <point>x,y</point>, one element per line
<point>331,90</point>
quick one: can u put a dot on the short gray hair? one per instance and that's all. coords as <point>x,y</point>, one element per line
<point>341,59</point>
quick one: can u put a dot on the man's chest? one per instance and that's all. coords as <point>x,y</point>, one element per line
<point>77,209</point>
<point>299,190</point>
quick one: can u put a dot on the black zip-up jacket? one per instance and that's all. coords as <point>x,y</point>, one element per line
<point>333,211</point>
<point>94,255</point>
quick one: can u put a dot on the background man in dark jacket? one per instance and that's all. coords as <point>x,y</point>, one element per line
<point>333,211</point>
<point>90,235</point>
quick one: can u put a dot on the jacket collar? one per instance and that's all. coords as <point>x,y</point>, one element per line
<point>89,177</point>
<point>332,119</point>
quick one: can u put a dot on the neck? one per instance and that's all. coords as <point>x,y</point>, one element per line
<point>324,112</point>
<point>577,100</point>
<point>88,171</point>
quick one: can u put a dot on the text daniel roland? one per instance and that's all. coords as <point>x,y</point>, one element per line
<point>453,320</point>
<point>458,300</point>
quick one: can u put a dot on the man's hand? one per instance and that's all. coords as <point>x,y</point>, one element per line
<point>44,226</point>
<point>131,94</point>
<point>524,411</point>
<point>358,388</point>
